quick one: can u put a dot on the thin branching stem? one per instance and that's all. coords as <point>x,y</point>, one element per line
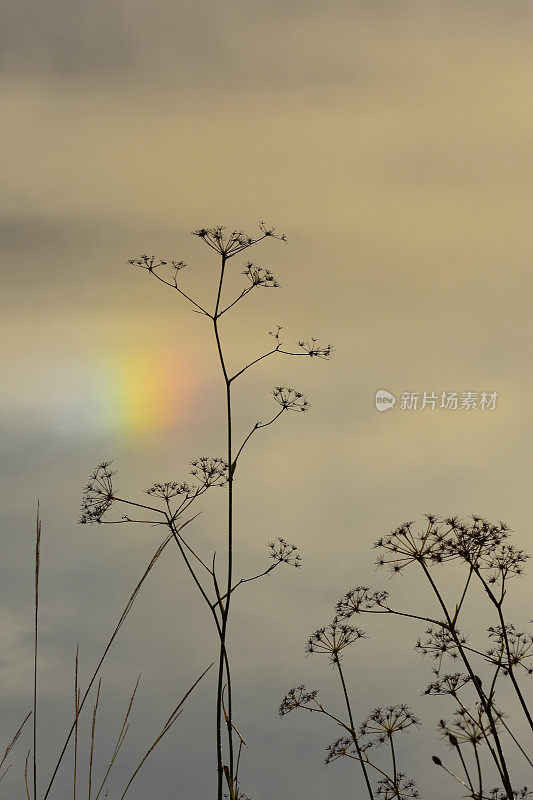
<point>509,666</point>
<point>257,426</point>
<point>352,728</point>
<point>225,609</point>
<point>500,759</point>
<point>465,768</point>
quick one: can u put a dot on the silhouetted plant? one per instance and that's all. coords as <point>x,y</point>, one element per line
<point>380,727</point>
<point>476,723</point>
<point>174,498</point>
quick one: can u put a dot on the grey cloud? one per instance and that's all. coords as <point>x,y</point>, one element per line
<point>197,45</point>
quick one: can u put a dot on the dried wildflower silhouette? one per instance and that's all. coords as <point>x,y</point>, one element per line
<point>487,556</point>
<point>173,498</point>
<point>382,725</point>
<point>333,639</point>
<point>398,787</point>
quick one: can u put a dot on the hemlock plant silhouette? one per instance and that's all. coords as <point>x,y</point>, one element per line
<point>175,498</point>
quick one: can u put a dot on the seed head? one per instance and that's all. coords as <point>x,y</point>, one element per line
<point>290,400</point>
<point>284,553</point>
<point>384,723</point>
<point>298,697</point>
<point>333,639</point>
<point>98,494</point>
<point>359,600</point>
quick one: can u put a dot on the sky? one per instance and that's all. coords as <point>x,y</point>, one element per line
<point>391,143</point>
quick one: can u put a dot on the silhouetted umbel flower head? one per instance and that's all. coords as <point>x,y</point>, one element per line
<point>290,400</point>
<point>333,639</point>
<point>284,553</point>
<point>150,264</point>
<point>439,642</point>
<point>206,472</point>
<point>259,276</point>
<point>359,599</point>
<point>229,243</point>
<point>98,494</point>
<point>314,349</point>
<point>402,788</point>
<point>383,723</point>
<point>520,648</point>
<point>169,489</point>
<point>467,727</point>
<point>342,748</point>
<point>478,542</point>
<point>403,547</point>
<point>210,471</point>
<point>298,697</point>
<point>449,684</point>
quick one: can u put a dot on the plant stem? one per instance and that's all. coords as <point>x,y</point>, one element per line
<point>36,630</point>
<point>509,666</point>
<point>224,609</point>
<point>394,770</point>
<point>500,760</point>
<point>352,729</point>
<point>479,773</point>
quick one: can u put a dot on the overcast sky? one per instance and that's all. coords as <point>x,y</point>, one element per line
<point>391,142</point>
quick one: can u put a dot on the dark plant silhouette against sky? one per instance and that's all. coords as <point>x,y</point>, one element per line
<point>207,472</point>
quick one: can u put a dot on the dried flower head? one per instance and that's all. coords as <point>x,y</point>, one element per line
<point>448,684</point>
<point>333,639</point>
<point>518,794</point>
<point>314,349</point>
<point>259,276</point>
<point>206,471</point>
<point>479,543</point>
<point>401,788</point>
<point>209,471</point>
<point>169,489</point>
<point>505,562</point>
<point>98,494</point>
<point>343,748</point>
<point>228,244</point>
<point>467,727</point>
<point>298,697</point>
<point>150,264</point>
<point>403,547</point>
<point>439,642</point>
<point>358,600</point>
<point>512,649</point>
<point>284,553</point>
<point>290,400</point>
<point>383,723</point>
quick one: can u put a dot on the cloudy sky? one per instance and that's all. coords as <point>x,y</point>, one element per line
<point>391,142</point>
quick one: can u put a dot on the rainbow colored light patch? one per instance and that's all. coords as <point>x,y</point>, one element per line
<point>130,393</point>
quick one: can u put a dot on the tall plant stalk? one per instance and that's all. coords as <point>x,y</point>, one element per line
<point>177,497</point>
<point>35,643</point>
